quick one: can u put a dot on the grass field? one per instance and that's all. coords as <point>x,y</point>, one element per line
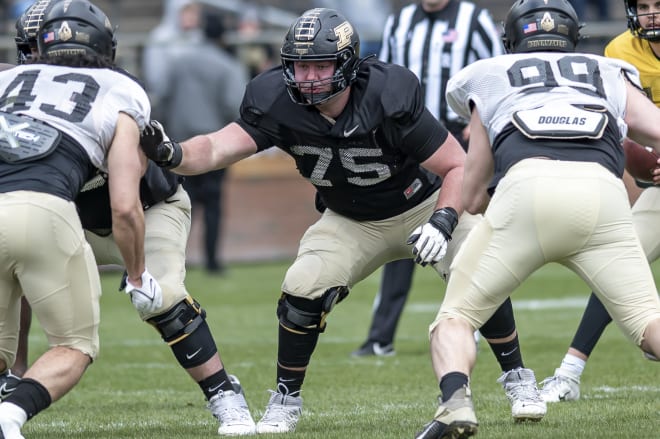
<point>136,390</point>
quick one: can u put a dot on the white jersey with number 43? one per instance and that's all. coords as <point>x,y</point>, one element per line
<point>82,102</point>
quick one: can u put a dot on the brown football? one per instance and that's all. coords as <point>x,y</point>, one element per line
<point>640,160</point>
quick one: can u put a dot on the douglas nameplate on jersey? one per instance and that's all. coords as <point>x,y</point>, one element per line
<point>561,121</point>
<point>23,139</point>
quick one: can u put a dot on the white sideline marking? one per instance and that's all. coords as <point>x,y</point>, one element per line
<point>627,389</point>
<point>565,303</point>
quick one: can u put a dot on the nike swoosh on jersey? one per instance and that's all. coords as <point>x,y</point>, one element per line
<point>347,133</point>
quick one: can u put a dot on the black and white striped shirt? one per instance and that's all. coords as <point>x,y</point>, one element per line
<point>436,45</point>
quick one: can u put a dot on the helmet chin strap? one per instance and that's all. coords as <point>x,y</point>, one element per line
<point>317,98</point>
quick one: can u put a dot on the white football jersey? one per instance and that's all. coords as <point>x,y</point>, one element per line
<point>501,86</point>
<point>82,102</point>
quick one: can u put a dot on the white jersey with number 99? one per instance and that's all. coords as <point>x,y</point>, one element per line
<point>507,85</point>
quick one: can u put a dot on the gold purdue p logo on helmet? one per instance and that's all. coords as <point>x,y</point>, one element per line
<point>344,32</point>
<point>547,23</point>
<point>64,32</point>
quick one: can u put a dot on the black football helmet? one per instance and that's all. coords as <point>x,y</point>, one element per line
<point>27,27</point>
<point>541,26</point>
<point>320,35</point>
<point>72,27</point>
<point>651,34</point>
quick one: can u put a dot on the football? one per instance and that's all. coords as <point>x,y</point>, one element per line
<point>640,160</point>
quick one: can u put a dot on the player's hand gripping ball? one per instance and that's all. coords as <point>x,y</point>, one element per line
<point>640,160</point>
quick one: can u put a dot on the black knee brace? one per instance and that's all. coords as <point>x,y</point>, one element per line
<point>185,330</point>
<point>303,315</point>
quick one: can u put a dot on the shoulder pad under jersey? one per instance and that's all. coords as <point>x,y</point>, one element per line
<point>261,94</point>
<point>396,88</point>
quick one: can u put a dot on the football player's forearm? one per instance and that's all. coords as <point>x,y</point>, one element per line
<point>128,233</point>
<point>215,150</point>
<point>201,155</point>
<point>197,156</point>
<point>450,194</point>
<point>639,110</point>
<point>475,196</point>
<point>475,202</point>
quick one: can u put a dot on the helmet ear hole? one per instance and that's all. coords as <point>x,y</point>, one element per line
<point>320,34</point>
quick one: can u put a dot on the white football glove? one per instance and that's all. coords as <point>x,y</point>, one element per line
<point>430,240</point>
<point>147,298</point>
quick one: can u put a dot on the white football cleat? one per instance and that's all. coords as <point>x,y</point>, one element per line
<point>231,409</point>
<point>562,386</point>
<point>282,414</point>
<point>526,402</point>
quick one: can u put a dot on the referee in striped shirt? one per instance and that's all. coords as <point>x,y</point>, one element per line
<point>435,39</point>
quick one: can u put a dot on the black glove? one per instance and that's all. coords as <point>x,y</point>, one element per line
<point>159,148</point>
<point>430,240</point>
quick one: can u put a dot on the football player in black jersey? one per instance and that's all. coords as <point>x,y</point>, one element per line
<point>545,165</point>
<point>167,214</point>
<point>359,131</point>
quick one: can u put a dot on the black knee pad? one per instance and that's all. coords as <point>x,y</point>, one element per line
<point>183,327</point>
<point>179,321</point>
<point>304,315</point>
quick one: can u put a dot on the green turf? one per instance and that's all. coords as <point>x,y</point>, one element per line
<point>136,390</point>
